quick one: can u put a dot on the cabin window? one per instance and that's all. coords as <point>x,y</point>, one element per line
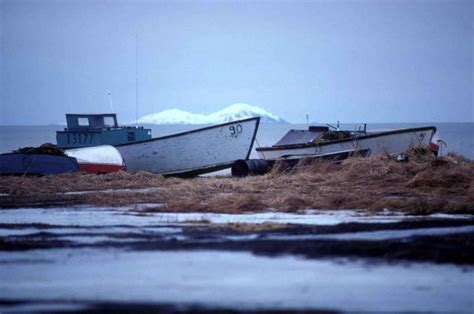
<point>109,122</point>
<point>83,121</point>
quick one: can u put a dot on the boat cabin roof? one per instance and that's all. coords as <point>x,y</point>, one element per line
<point>91,121</point>
<point>301,136</point>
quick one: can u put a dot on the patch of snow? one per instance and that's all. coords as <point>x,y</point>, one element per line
<point>449,216</point>
<point>162,230</point>
<point>93,216</point>
<point>17,232</point>
<point>109,191</point>
<point>231,113</point>
<point>380,235</point>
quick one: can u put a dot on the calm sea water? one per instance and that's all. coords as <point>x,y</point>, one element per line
<point>458,136</point>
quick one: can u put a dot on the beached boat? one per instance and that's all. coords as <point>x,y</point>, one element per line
<point>42,161</point>
<point>321,143</point>
<point>321,140</point>
<point>48,159</point>
<point>85,130</point>
<point>98,159</point>
<point>194,152</point>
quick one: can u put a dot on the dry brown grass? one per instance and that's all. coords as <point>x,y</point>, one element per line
<point>425,184</point>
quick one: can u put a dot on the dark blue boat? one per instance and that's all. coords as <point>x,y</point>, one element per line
<point>36,164</point>
<point>98,129</point>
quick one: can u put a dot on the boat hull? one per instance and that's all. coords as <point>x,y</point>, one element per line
<point>243,168</point>
<point>97,159</point>
<point>389,142</point>
<point>95,168</point>
<point>192,153</point>
<point>36,164</point>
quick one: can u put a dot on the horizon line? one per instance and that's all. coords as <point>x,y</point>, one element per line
<point>270,123</point>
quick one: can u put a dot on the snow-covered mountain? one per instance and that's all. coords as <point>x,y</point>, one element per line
<point>173,116</point>
<point>228,114</point>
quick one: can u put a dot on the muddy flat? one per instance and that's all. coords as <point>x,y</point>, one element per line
<point>92,259</point>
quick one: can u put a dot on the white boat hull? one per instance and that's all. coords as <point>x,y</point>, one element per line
<point>195,152</point>
<point>389,142</point>
<point>97,159</point>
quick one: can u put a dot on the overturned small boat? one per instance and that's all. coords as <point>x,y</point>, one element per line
<point>97,159</point>
<point>194,152</point>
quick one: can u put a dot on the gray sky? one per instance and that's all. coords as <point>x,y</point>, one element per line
<point>354,61</point>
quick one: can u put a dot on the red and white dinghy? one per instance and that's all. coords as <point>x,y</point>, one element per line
<point>97,159</point>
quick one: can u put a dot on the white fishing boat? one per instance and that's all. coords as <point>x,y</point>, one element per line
<point>194,152</point>
<point>320,140</point>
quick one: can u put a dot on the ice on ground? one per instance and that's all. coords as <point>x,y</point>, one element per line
<point>93,216</point>
<point>92,225</point>
<point>380,235</point>
<point>237,280</point>
<point>111,191</point>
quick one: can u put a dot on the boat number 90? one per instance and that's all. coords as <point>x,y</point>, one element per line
<point>235,129</point>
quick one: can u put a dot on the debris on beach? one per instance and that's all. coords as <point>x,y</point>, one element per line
<point>46,148</point>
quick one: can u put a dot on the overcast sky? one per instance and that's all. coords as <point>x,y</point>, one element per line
<point>354,61</point>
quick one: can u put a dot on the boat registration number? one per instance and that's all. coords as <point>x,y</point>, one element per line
<point>80,138</point>
<point>235,129</point>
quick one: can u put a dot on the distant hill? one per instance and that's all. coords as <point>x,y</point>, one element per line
<point>228,114</point>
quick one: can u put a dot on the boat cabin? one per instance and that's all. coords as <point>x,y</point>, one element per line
<point>293,137</point>
<point>98,129</point>
<point>91,121</point>
<point>317,134</point>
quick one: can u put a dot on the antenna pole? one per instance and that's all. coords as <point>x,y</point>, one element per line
<point>136,79</point>
<point>110,102</point>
